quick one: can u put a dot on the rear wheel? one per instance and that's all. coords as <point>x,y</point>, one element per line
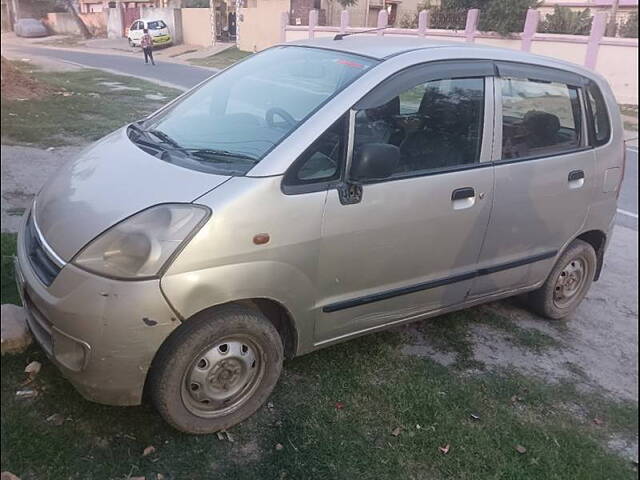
<point>568,282</point>
<point>216,370</point>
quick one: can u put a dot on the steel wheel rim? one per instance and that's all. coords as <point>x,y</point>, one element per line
<point>223,376</point>
<point>570,282</point>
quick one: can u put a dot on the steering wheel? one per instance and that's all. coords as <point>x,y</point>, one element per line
<point>286,116</point>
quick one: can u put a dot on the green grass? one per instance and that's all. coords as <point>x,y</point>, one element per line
<point>380,390</point>
<point>222,59</point>
<point>79,109</point>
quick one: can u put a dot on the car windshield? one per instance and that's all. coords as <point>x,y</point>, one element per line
<point>156,25</point>
<point>232,121</point>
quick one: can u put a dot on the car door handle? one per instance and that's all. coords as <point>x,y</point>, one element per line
<point>576,175</point>
<point>462,193</point>
<point>463,198</point>
<point>576,178</point>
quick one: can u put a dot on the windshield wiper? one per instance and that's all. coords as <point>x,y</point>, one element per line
<point>207,153</point>
<point>165,138</point>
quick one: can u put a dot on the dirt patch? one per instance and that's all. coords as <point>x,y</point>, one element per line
<point>596,348</point>
<point>18,85</point>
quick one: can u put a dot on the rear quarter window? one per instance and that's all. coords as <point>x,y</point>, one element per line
<point>599,116</point>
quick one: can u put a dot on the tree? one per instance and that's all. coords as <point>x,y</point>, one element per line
<point>505,16</point>
<point>565,20</point>
<point>629,28</point>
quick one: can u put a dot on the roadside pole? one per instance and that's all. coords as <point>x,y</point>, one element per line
<point>212,20</point>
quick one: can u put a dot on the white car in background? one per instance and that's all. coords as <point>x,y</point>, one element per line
<point>158,30</point>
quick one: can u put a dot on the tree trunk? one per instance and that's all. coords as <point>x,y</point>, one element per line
<point>84,31</point>
<point>613,26</point>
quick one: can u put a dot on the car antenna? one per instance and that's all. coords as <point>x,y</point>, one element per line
<point>340,36</point>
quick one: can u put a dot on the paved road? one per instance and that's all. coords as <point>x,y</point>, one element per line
<point>176,74</point>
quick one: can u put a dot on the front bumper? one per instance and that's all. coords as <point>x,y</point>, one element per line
<point>162,40</point>
<point>102,334</point>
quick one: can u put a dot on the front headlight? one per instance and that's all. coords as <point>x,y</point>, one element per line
<point>141,245</point>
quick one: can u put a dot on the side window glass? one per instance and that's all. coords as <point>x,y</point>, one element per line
<point>436,125</point>
<point>322,161</point>
<point>539,118</point>
<point>599,115</point>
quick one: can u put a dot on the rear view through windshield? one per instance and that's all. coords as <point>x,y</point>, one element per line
<point>236,118</point>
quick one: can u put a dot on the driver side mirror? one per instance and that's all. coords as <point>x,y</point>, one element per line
<point>375,161</point>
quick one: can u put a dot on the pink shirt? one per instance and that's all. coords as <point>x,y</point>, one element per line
<point>146,41</point>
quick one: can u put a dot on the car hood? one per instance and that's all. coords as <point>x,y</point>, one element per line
<point>108,182</point>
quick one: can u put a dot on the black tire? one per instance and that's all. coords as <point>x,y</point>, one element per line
<point>198,339</point>
<point>547,300</point>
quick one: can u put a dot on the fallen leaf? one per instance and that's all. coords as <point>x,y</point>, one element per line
<point>26,393</point>
<point>148,451</point>
<point>520,449</point>
<point>55,419</point>
<point>597,421</point>
<point>270,405</point>
<point>475,416</point>
<point>228,435</point>
<point>33,368</point>
<point>418,427</point>
<point>396,431</point>
<point>279,446</point>
<point>339,405</point>
<point>445,449</point>
<point>220,435</point>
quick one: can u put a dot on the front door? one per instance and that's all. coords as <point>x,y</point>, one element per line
<point>411,244</point>
<point>544,177</point>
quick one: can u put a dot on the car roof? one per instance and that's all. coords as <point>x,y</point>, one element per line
<point>147,20</point>
<point>384,47</point>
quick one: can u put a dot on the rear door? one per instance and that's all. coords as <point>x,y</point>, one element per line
<point>544,176</point>
<point>411,243</point>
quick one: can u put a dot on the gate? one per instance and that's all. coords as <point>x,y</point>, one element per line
<point>129,15</point>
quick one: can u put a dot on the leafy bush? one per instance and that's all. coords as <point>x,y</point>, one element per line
<point>502,16</point>
<point>629,28</point>
<point>565,20</point>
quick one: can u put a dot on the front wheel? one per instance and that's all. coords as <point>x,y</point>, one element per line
<point>568,282</point>
<point>216,370</point>
<point>131,44</point>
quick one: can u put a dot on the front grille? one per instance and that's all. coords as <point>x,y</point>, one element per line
<point>45,268</point>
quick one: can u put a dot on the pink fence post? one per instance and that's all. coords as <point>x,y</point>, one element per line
<point>423,22</point>
<point>284,21</point>
<point>530,29</point>
<point>383,21</point>
<point>313,22</point>
<point>472,24</point>
<point>344,21</point>
<point>598,28</point>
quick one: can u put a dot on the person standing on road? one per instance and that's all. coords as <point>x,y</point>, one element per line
<point>147,46</point>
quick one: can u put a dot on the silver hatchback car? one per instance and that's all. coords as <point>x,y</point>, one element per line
<point>312,193</point>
